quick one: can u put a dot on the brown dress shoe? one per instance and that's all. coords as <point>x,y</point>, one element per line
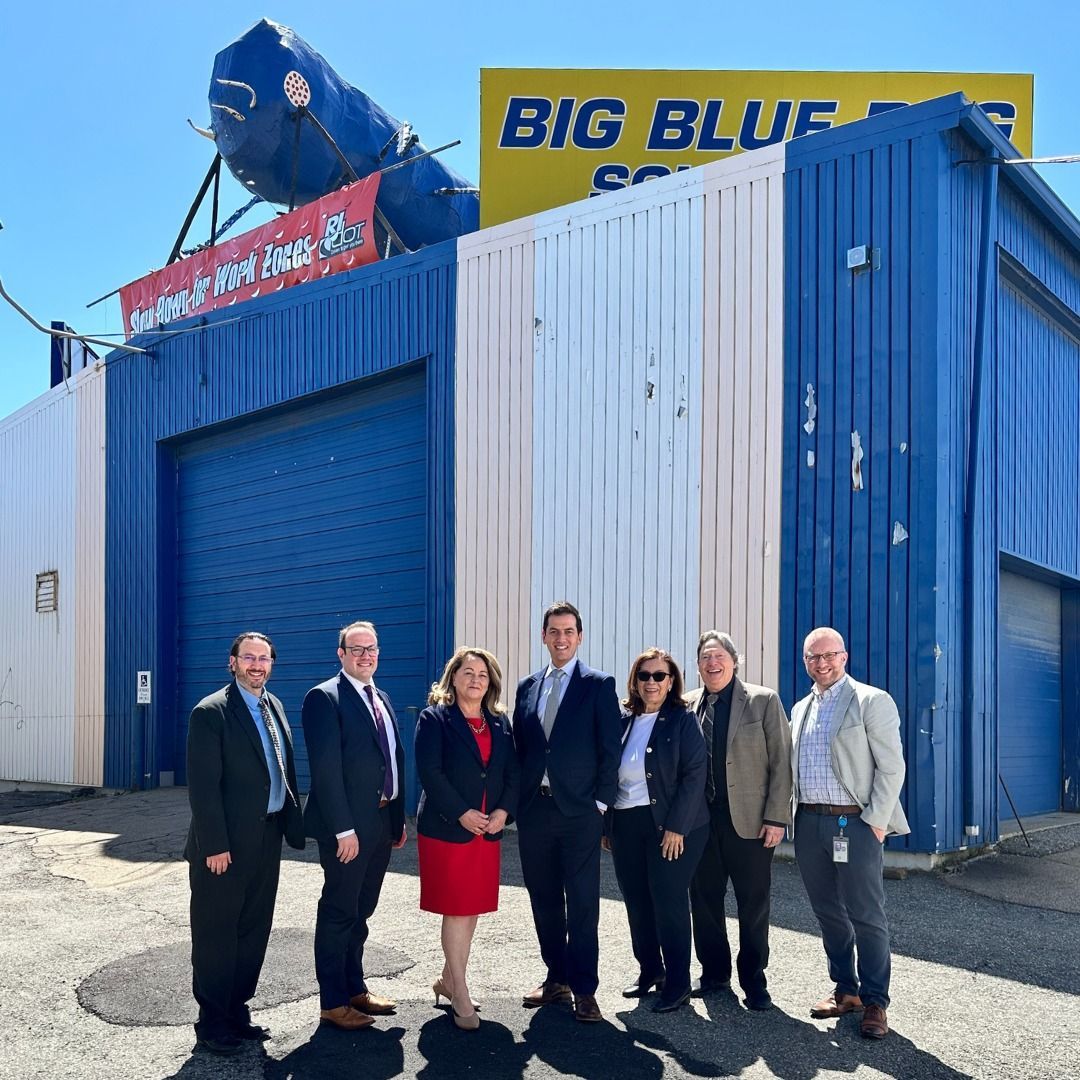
<point>345,1016</point>
<point>372,1004</point>
<point>586,1009</point>
<point>874,1023</point>
<point>547,993</point>
<point>836,1004</point>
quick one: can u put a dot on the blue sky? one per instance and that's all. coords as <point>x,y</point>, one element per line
<point>100,167</point>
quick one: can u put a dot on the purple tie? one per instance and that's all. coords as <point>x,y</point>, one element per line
<point>384,742</point>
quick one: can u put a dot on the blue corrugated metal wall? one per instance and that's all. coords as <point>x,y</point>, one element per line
<point>264,354</point>
<point>1026,510</point>
<point>889,353</point>
<point>866,342</point>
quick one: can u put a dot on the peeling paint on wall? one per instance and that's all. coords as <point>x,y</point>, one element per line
<point>856,462</point>
<point>811,410</point>
<point>903,448</point>
<point>899,534</point>
<point>810,459</point>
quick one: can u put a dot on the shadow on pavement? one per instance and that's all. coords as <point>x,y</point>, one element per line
<point>376,1053</point>
<point>732,1040</point>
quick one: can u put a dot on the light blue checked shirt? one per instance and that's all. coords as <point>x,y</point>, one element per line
<point>817,781</point>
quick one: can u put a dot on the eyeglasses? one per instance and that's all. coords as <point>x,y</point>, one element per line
<point>362,650</point>
<point>653,676</point>
<point>249,659</point>
<point>828,657</point>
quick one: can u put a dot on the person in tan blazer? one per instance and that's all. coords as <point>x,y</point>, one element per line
<point>748,789</point>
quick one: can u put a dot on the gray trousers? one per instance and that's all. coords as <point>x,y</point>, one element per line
<point>849,902</point>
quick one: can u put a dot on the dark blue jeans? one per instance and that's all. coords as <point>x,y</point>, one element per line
<point>849,902</point>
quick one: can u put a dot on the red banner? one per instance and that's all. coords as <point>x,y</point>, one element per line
<point>324,237</point>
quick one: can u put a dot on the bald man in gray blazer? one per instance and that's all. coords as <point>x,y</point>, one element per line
<point>848,765</point>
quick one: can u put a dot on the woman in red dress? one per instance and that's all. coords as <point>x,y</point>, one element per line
<point>468,767</point>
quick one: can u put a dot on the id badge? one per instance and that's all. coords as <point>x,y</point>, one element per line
<point>840,849</point>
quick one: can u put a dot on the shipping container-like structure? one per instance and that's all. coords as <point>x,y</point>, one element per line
<point>831,382</point>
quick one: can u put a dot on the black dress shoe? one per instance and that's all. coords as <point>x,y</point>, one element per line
<point>710,986</point>
<point>219,1044</point>
<point>644,984</point>
<point>665,1005</point>
<point>253,1033</point>
<point>759,1001</point>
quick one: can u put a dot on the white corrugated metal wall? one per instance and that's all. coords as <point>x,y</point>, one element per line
<point>493,420</point>
<point>630,461</point>
<point>52,502</point>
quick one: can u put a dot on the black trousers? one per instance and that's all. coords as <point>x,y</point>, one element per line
<point>748,864</point>
<point>350,895</point>
<point>231,916</point>
<point>560,861</point>
<point>655,891</point>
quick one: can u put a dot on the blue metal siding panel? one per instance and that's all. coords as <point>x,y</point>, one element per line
<point>1039,417</point>
<point>868,344</point>
<point>266,353</point>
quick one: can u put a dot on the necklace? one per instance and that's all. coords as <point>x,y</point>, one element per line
<point>478,729</point>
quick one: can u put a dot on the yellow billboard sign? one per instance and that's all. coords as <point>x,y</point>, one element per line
<point>550,136</point>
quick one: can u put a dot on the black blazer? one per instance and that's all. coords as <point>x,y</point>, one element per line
<point>229,781</point>
<point>582,758</point>
<point>675,770</point>
<point>454,776</point>
<point>347,766</point>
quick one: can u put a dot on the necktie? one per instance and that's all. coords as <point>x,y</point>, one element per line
<point>551,706</point>
<point>275,739</point>
<point>707,731</point>
<point>384,743</point>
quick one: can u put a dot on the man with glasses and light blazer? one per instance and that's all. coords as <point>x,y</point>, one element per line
<point>356,812</point>
<point>848,766</point>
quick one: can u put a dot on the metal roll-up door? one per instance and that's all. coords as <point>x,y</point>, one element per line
<point>297,523</point>
<point>1029,695</point>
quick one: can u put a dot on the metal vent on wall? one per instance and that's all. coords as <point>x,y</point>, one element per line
<point>46,591</point>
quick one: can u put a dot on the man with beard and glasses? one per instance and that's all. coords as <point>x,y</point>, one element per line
<point>243,795</point>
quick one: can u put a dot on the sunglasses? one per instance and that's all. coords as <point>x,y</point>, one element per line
<point>655,676</point>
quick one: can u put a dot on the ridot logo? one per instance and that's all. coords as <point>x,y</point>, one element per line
<point>341,236</point>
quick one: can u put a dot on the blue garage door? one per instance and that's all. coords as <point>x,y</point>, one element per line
<point>297,523</point>
<point>1029,694</point>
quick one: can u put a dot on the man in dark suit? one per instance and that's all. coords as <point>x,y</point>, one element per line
<point>748,789</point>
<point>567,731</point>
<point>242,790</point>
<point>356,811</point>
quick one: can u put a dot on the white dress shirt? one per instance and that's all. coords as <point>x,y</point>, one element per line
<point>391,737</point>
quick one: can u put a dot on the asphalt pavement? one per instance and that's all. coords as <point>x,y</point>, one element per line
<point>95,974</point>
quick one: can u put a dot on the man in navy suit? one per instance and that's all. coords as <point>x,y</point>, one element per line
<point>356,811</point>
<point>567,731</point>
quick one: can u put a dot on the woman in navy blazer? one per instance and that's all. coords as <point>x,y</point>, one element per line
<point>468,767</point>
<point>657,828</point>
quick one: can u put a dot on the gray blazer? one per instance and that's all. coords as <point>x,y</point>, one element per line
<point>867,756</point>
<point>758,757</point>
